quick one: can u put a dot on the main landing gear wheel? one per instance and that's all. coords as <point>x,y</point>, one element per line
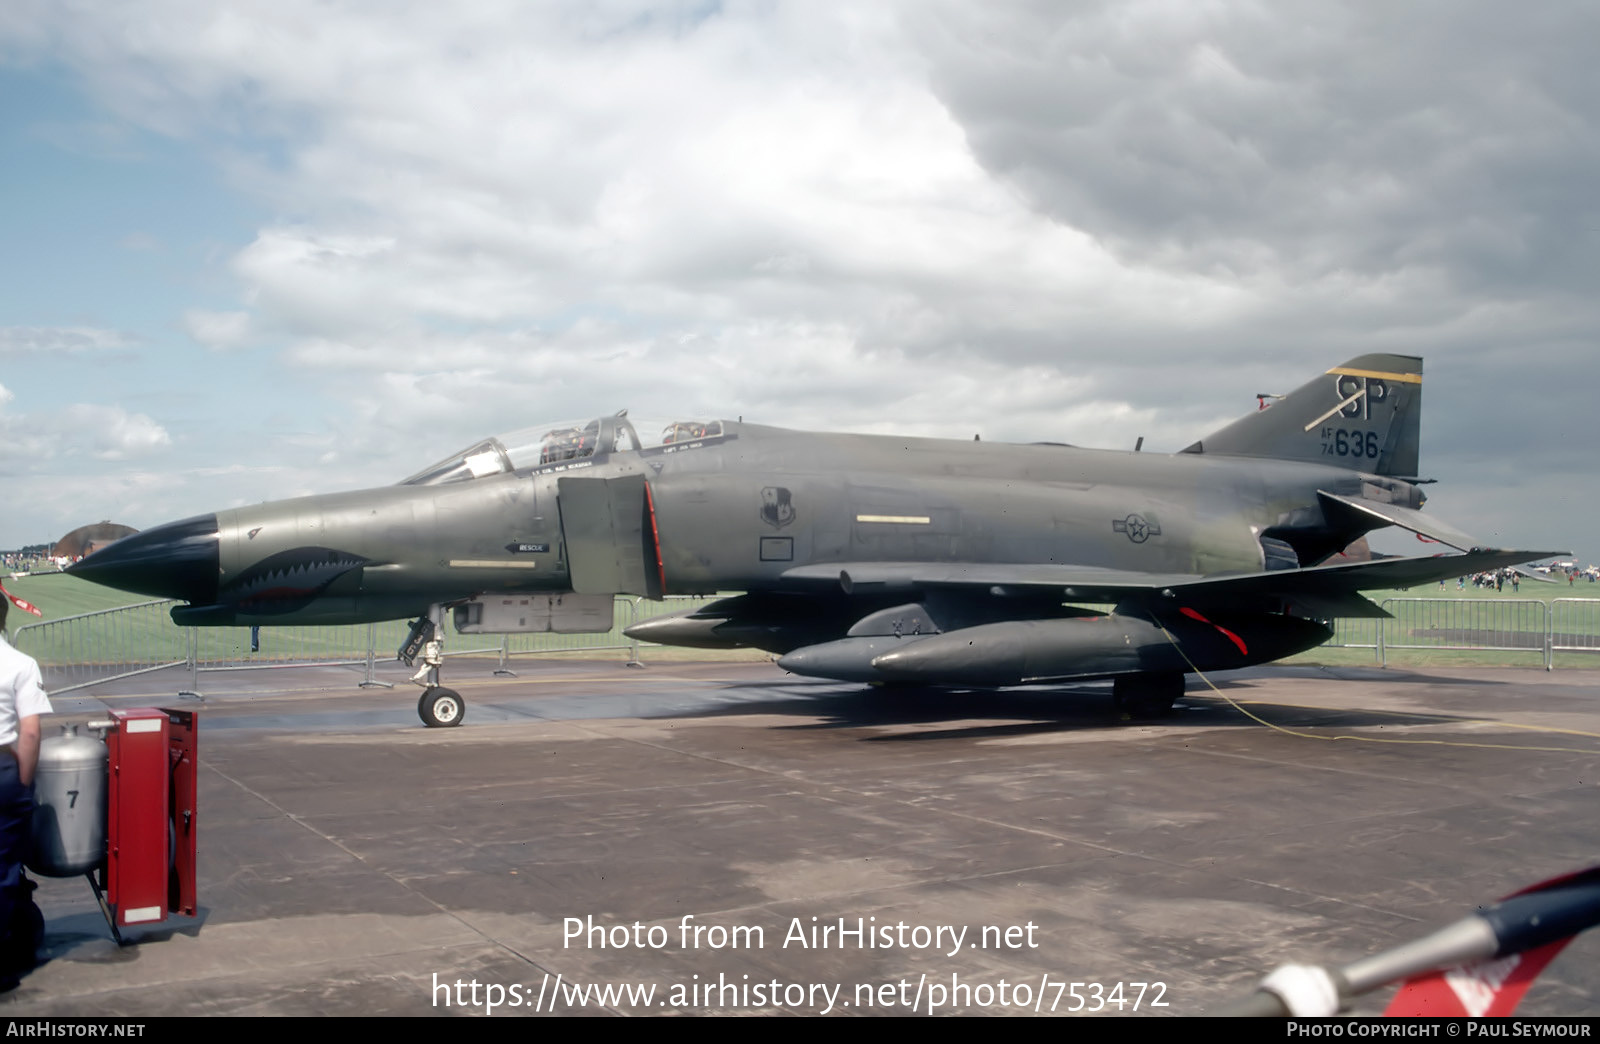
<point>1147,695</point>
<point>441,708</point>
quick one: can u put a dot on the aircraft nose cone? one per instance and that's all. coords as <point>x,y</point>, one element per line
<point>175,560</point>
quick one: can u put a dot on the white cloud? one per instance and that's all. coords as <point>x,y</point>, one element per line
<point>532,165</point>
<point>115,434</point>
<point>217,330</point>
<point>61,501</point>
<point>1083,223</point>
<point>1313,142</point>
<point>36,442</point>
<point>20,340</point>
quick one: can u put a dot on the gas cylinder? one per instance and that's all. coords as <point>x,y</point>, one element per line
<point>68,836</point>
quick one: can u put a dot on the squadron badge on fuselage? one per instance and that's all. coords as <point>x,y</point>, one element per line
<point>777,506</point>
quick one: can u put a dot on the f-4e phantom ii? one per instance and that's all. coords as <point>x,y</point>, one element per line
<point>862,558</point>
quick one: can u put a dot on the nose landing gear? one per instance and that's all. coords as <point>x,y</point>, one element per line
<point>439,707</point>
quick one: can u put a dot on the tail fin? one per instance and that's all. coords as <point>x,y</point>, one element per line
<point>1365,415</point>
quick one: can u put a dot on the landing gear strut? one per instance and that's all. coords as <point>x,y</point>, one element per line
<point>1147,695</point>
<point>439,707</point>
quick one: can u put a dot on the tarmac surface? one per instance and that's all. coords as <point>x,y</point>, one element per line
<point>692,828</point>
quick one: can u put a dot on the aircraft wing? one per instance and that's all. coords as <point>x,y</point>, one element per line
<point>1323,591</point>
<point>1327,591</point>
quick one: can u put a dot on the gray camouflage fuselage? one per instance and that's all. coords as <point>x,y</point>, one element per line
<point>864,557</point>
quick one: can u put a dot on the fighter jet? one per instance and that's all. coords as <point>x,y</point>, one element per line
<point>862,558</point>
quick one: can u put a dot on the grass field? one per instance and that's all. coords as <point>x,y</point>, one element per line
<point>147,635</point>
<point>58,595</point>
<point>61,595</point>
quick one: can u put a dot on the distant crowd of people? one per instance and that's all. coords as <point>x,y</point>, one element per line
<point>1500,579</point>
<point>17,562</point>
<point>1497,579</point>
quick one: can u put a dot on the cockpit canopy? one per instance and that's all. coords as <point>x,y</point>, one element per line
<point>543,445</point>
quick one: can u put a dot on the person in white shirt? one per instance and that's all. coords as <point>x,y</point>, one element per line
<point>22,702</point>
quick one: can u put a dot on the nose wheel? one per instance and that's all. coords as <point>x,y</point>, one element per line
<point>441,708</point>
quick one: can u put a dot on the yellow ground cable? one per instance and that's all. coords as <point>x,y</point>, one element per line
<point>1236,705</point>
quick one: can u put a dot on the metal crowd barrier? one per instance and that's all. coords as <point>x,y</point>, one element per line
<point>1575,625</point>
<point>75,652</point>
<point>1354,633</point>
<point>82,650</point>
<point>1466,624</point>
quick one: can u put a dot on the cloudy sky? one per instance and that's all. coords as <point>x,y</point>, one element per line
<point>255,250</point>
